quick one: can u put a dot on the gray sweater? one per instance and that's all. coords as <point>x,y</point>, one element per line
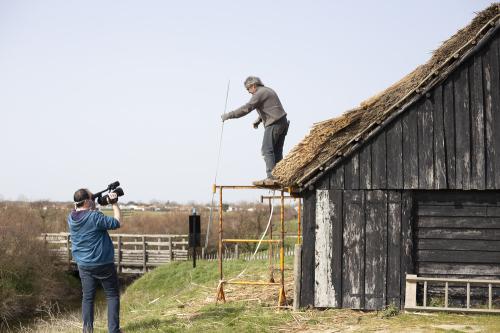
<point>267,104</point>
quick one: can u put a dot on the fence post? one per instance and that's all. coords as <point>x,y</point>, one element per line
<point>144,255</point>
<point>68,248</point>
<point>411,291</point>
<point>297,273</point>
<point>119,254</point>
<point>203,253</point>
<point>236,252</point>
<point>170,249</point>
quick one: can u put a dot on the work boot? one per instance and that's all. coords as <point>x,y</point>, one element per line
<point>259,182</point>
<point>266,182</point>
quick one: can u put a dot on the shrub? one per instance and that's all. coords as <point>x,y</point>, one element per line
<point>29,277</point>
<point>390,311</point>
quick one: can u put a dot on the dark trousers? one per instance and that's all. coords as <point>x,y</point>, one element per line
<point>105,275</point>
<point>272,144</point>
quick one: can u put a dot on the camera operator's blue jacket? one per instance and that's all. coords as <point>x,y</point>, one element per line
<point>91,244</point>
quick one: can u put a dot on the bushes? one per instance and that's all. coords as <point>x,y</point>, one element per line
<point>29,278</point>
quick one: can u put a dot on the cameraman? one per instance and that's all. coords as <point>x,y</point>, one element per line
<point>93,252</point>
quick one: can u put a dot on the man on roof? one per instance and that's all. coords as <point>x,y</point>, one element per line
<point>271,113</point>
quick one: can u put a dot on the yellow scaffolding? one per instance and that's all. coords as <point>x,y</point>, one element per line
<point>299,211</point>
<point>220,288</point>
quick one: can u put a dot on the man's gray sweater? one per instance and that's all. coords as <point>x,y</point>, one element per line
<point>267,104</point>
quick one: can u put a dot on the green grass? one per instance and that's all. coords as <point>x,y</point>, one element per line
<point>178,298</point>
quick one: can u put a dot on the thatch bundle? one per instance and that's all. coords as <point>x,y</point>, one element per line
<point>333,137</point>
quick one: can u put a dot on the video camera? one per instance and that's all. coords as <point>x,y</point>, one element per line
<point>104,200</point>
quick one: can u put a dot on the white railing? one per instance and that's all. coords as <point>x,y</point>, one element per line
<point>412,281</point>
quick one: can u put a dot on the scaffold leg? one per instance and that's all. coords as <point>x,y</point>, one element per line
<point>220,293</point>
<point>282,297</point>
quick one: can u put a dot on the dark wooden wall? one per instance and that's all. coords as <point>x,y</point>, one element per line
<point>308,241</point>
<point>447,140</point>
<point>458,234</point>
<point>372,248</point>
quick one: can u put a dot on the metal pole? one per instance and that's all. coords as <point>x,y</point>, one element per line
<point>282,245</point>
<point>271,254</point>
<point>220,235</point>
<point>282,296</point>
<point>194,256</point>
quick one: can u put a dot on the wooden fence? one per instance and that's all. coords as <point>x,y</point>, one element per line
<point>133,253</point>
<point>140,253</point>
<point>234,253</point>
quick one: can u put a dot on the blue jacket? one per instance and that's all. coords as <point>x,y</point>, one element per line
<point>91,244</point>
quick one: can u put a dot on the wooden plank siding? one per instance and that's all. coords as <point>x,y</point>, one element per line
<point>439,139</point>
<point>446,140</point>
<point>353,260</point>
<point>407,240</point>
<point>308,237</point>
<point>326,213</point>
<point>458,228</point>
<point>365,167</point>
<point>491,86</point>
<point>357,252</point>
<point>394,245</point>
<point>375,249</point>
<point>478,161</point>
<point>395,156</point>
<point>328,249</point>
<point>425,138</point>
<point>373,218</point>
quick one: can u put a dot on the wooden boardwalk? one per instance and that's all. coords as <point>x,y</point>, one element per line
<point>133,253</point>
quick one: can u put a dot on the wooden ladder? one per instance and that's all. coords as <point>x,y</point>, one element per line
<point>411,294</point>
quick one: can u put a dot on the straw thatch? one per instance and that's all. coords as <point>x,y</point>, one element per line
<point>333,137</point>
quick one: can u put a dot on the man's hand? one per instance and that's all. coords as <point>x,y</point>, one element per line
<point>113,198</point>
<point>224,117</point>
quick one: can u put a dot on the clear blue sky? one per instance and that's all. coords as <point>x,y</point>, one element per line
<point>94,91</point>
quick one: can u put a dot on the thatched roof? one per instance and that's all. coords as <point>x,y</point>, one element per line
<point>330,140</point>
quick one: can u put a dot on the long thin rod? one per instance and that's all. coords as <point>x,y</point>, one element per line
<point>282,244</point>
<point>221,276</point>
<point>217,169</point>
<point>271,256</point>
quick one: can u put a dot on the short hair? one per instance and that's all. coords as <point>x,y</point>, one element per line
<point>253,80</point>
<point>80,196</point>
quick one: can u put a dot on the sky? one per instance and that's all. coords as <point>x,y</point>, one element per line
<point>97,91</point>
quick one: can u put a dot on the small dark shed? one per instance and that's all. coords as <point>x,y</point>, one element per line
<point>408,183</point>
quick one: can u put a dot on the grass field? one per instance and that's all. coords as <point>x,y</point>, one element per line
<point>178,298</point>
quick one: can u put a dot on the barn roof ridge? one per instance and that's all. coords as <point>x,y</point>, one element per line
<point>332,140</point>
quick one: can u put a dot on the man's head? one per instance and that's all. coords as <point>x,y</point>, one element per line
<point>83,199</point>
<point>251,84</point>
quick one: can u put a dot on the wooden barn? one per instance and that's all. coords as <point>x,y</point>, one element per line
<point>407,183</point>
